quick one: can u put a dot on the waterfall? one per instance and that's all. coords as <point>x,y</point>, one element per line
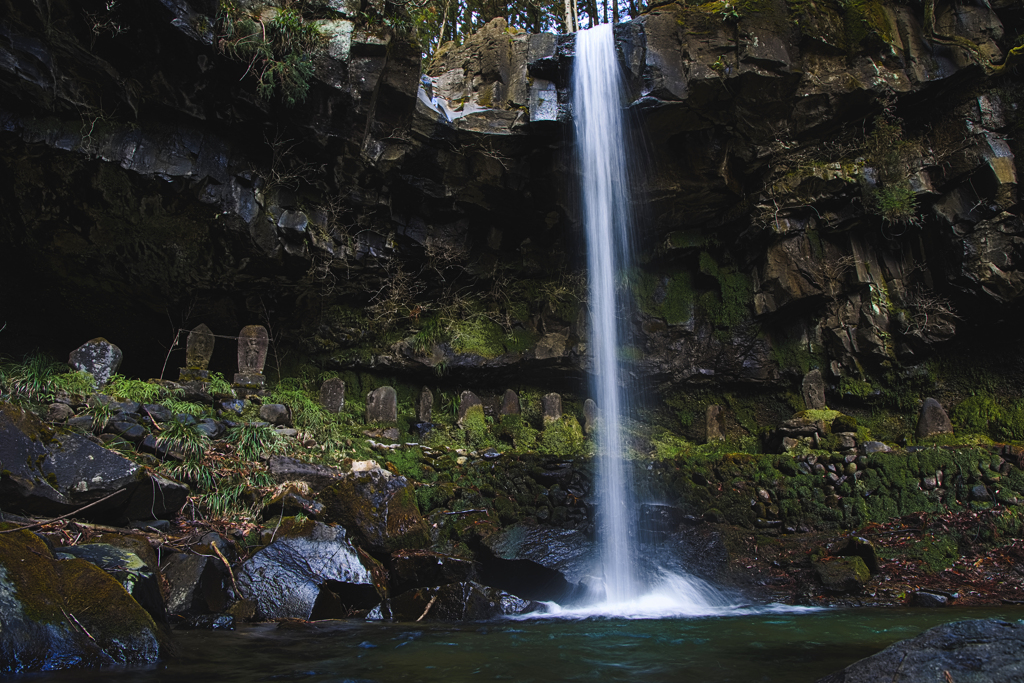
<point>637,583</point>
<point>600,138</point>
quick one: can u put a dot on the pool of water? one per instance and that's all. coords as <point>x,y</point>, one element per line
<point>781,646</point>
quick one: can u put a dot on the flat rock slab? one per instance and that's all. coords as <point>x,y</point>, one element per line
<point>284,469</point>
<point>45,473</point>
<point>977,651</point>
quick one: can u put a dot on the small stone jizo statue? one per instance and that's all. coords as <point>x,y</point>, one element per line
<point>198,351</point>
<point>252,355</point>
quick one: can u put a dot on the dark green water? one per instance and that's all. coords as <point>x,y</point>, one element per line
<point>776,648</point>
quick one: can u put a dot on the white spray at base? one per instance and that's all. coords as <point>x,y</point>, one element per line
<point>604,171</point>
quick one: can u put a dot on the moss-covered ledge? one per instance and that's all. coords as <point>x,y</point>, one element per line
<point>823,490</point>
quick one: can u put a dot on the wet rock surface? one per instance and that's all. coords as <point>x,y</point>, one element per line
<point>318,575</point>
<point>540,562</point>
<point>197,583</point>
<point>987,651</point>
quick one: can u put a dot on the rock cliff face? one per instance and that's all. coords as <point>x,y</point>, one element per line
<point>828,185</point>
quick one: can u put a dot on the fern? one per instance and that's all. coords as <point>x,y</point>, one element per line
<point>279,52</point>
<point>124,389</point>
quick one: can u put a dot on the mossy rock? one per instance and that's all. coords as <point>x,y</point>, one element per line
<point>934,552</point>
<point>843,574</point>
<point>475,425</point>
<point>137,577</point>
<point>844,424</point>
<point>60,614</point>
<point>378,509</point>
<point>563,437</point>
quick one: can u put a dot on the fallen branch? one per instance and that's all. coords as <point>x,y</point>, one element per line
<point>71,617</point>
<point>226,564</point>
<point>429,605</point>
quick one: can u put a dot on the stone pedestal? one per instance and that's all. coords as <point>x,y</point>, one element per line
<point>250,380</point>
<point>193,375</point>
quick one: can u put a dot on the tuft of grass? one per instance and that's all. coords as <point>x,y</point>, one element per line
<point>252,440</point>
<point>308,416</point>
<point>222,502</point>
<point>185,439</point>
<point>101,414</point>
<point>32,379</point>
<point>196,472</point>
<point>219,385</point>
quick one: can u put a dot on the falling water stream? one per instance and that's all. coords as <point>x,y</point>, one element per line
<point>603,153</point>
<point>597,96</point>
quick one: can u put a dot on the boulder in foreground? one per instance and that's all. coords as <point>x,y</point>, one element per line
<point>63,614</point>
<point>979,651</point>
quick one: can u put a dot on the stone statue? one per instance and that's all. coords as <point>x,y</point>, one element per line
<point>252,355</point>
<point>198,351</point>
<point>332,395</point>
<point>252,349</point>
<point>199,348</point>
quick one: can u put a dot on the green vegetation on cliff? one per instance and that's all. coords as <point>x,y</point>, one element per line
<point>278,44</point>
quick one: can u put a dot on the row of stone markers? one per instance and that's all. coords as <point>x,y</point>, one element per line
<point>253,342</point>
<point>102,359</point>
<point>382,407</point>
